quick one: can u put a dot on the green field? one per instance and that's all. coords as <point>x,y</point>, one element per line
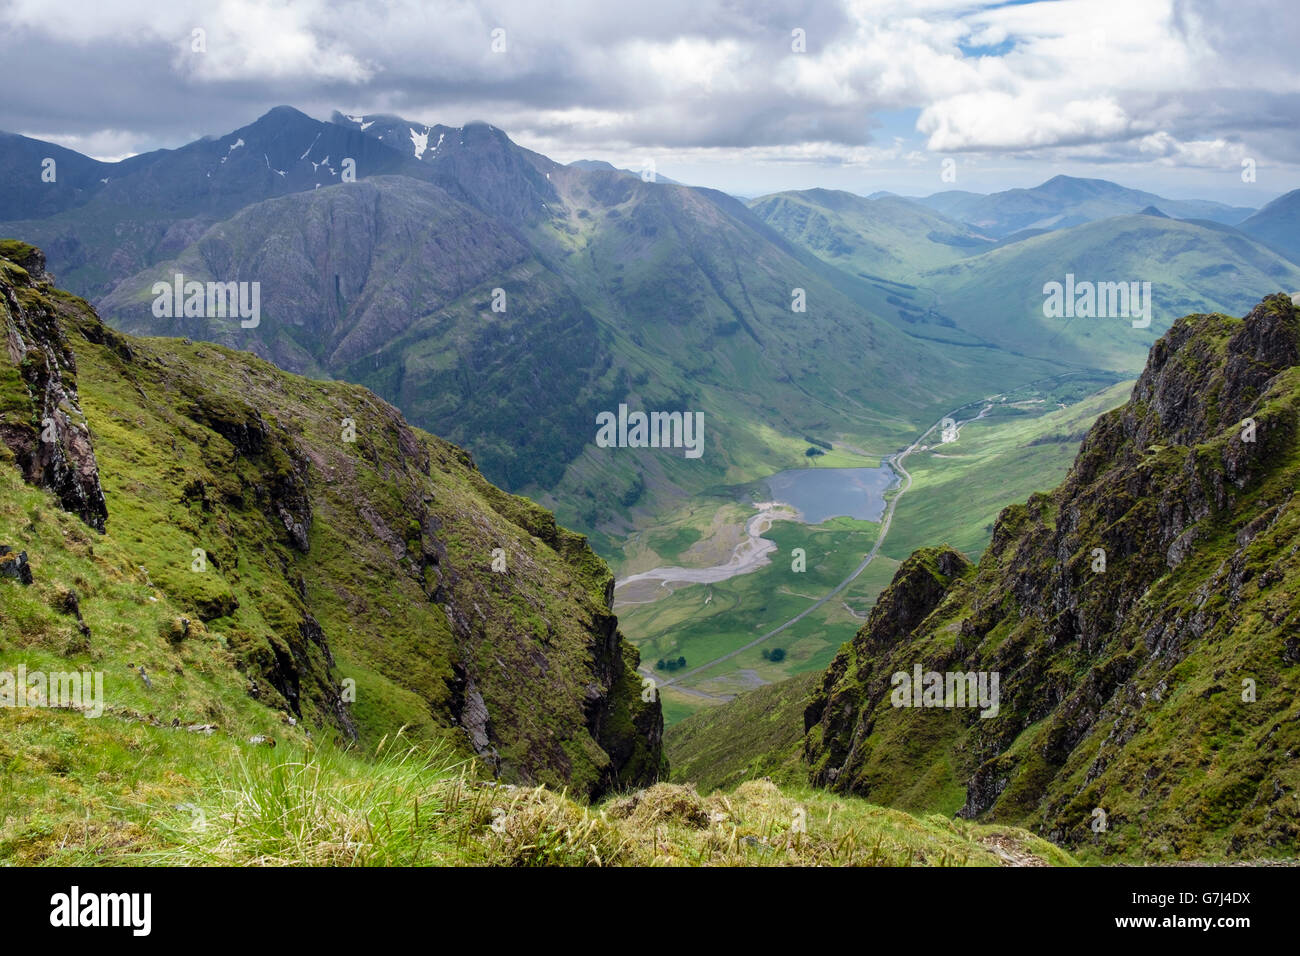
<point>703,621</point>
<point>959,488</point>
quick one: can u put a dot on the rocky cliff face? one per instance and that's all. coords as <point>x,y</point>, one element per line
<point>363,575</point>
<point>1142,619</point>
<point>45,427</point>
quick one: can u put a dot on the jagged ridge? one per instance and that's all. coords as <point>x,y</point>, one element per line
<point>1121,690</point>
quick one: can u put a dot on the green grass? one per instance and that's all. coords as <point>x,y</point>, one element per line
<point>704,621</point>
<point>223,803</point>
<point>958,488</point>
<point>759,734</point>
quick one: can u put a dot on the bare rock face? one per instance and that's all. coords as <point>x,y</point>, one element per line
<point>50,439</point>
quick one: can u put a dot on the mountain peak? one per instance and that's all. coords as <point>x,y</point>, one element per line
<point>283,112</point>
<point>1074,187</point>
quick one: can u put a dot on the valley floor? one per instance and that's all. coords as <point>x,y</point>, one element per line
<point>726,596</point>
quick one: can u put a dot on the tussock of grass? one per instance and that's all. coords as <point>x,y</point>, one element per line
<point>318,807</point>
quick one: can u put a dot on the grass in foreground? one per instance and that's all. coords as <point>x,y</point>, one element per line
<point>224,802</point>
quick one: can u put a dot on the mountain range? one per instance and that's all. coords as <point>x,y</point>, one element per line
<point>612,290</point>
<point>1065,201</point>
<point>463,278</point>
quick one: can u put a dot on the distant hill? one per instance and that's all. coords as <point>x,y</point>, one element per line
<point>1065,201</point>
<point>886,237</point>
<point>999,295</point>
<point>600,164</point>
<point>1277,225</point>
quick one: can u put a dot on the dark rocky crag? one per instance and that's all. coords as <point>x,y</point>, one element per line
<point>1157,695</point>
<point>48,432</point>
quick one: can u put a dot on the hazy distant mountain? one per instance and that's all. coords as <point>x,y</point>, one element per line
<point>886,237</point>
<point>149,207</point>
<point>25,171</point>
<point>1065,201</point>
<point>1277,225</point>
<point>600,164</point>
<point>476,163</point>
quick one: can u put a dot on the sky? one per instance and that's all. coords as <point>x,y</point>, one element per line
<point>1172,96</point>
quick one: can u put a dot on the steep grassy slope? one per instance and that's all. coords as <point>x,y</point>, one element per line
<point>1159,688</point>
<point>759,734</point>
<point>298,542</point>
<point>999,296</point>
<point>889,237</point>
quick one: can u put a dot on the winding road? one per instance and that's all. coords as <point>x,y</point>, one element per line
<point>895,462</point>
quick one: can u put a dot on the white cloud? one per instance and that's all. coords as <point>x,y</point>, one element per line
<point>1175,81</point>
<point>108,145</point>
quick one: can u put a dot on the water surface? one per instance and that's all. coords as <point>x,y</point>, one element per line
<point>823,493</point>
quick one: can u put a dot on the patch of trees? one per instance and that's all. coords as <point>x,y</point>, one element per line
<point>670,665</point>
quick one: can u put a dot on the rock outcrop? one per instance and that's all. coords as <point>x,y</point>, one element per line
<point>47,432</point>
<point>1141,617</point>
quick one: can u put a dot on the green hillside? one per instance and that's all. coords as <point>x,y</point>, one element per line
<point>1141,616</point>
<point>1065,201</point>
<point>887,238</point>
<point>297,544</point>
<point>1191,266</point>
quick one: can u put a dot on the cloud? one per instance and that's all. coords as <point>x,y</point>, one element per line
<point>1170,81</point>
<point>110,145</point>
